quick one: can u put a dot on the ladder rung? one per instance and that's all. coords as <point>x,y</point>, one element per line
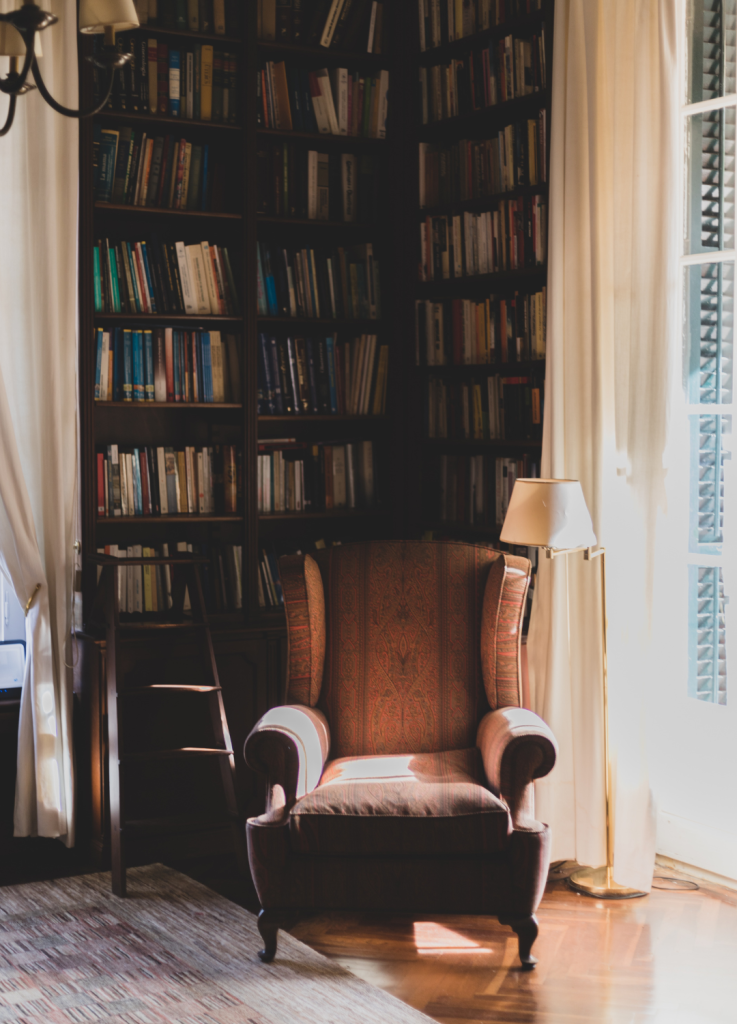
<point>149,755</point>
<point>133,691</point>
<point>179,823</point>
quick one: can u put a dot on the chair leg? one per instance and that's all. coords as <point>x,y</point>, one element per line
<point>526,929</point>
<point>269,922</point>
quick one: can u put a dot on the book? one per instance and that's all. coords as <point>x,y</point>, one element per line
<point>175,74</point>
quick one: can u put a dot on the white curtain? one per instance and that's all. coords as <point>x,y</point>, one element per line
<point>612,368</point>
<point>38,408</point>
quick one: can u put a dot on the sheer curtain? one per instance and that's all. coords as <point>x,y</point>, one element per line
<point>38,409</point>
<point>612,370</point>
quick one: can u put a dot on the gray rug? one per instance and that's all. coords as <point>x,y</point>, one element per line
<point>173,951</point>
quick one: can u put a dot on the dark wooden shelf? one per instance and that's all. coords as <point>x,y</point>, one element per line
<point>323,418</point>
<point>362,326</point>
<point>342,58</point>
<point>484,120</point>
<point>168,405</point>
<point>481,204</point>
<point>178,33</point>
<point>285,222</point>
<point>327,138</point>
<point>142,117</point>
<point>499,444</point>
<point>520,27</point>
<point>171,319</point>
<point>487,369</point>
<point>181,517</point>
<point>164,211</point>
<point>334,513</point>
<point>455,287</point>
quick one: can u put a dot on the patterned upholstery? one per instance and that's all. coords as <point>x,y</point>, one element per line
<point>411,805</point>
<point>305,606</point>
<point>404,622</point>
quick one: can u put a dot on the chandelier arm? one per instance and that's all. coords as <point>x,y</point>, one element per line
<point>9,119</point>
<point>67,111</point>
<point>13,83</point>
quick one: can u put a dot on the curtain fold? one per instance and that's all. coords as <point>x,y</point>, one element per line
<point>612,369</point>
<point>38,410</point>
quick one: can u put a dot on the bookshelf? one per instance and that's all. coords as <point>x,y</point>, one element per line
<point>239,224</point>
<point>484,149</point>
<point>282,531</point>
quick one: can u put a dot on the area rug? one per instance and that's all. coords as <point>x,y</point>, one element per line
<point>173,951</point>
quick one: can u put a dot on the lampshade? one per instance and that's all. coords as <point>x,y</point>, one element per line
<point>11,42</point>
<point>97,15</point>
<point>548,514</point>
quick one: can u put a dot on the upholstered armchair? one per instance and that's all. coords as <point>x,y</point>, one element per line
<point>400,770</point>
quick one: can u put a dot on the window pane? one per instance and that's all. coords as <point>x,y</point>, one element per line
<point>711,69</point>
<point>710,448</point>
<point>710,154</point>
<point>707,634</point>
<point>709,296</point>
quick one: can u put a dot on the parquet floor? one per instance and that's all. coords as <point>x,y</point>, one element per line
<point>669,958</point>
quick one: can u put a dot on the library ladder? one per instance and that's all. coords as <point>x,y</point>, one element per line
<point>186,578</point>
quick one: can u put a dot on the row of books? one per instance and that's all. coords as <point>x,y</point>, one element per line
<point>134,168</point>
<point>208,16</point>
<point>504,70</point>
<point>336,283</point>
<point>499,409</point>
<point>336,102</point>
<point>462,332</point>
<point>199,83</point>
<point>160,481</point>
<point>343,24</point>
<point>443,22</point>
<point>164,277</point>
<point>270,593</point>
<point>300,477</point>
<point>512,237</point>
<point>475,489</point>
<point>297,182</point>
<point>321,376</point>
<point>166,365</point>
<point>146,589</point>
<point>476,168</point>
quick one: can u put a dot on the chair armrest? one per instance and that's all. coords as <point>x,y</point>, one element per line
<point>516,747</point>
<point>289,745</point>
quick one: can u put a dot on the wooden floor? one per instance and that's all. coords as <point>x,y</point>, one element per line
<point>668,958</point>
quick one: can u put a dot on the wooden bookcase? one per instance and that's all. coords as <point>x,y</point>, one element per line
<point>250,643</point>
<point>178,424</point>
<point>480,124</point>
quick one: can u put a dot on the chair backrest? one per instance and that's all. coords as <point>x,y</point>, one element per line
<point>420,639</point>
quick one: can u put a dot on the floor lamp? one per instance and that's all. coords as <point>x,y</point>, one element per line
<point>552,515</point>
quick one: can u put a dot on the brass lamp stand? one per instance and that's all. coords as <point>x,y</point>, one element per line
<point>599,882</point>
<point>552,515</point>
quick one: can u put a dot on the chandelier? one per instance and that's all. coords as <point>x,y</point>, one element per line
<point>20,40</point>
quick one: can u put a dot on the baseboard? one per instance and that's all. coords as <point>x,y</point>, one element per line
<point>669,864</point>
<point>701,850</point>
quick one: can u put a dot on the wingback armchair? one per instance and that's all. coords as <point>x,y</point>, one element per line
<point>400,769</point>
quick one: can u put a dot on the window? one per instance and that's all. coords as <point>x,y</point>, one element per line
<point>709,275</point>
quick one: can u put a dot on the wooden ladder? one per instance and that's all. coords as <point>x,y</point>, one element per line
<point>186,576</point>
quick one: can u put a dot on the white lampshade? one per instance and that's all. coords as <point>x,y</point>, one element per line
<point>97,15</point>
<point>548,514</point>
<point>11,42</point>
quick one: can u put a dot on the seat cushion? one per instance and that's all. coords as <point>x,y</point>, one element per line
<point>401,804</point>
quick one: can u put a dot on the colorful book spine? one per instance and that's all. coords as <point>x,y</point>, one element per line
<point>148,349</point>
<point>138,378</point>
<point>127,367</point>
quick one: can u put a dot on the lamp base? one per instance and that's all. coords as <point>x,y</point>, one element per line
<point>599,883</point>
